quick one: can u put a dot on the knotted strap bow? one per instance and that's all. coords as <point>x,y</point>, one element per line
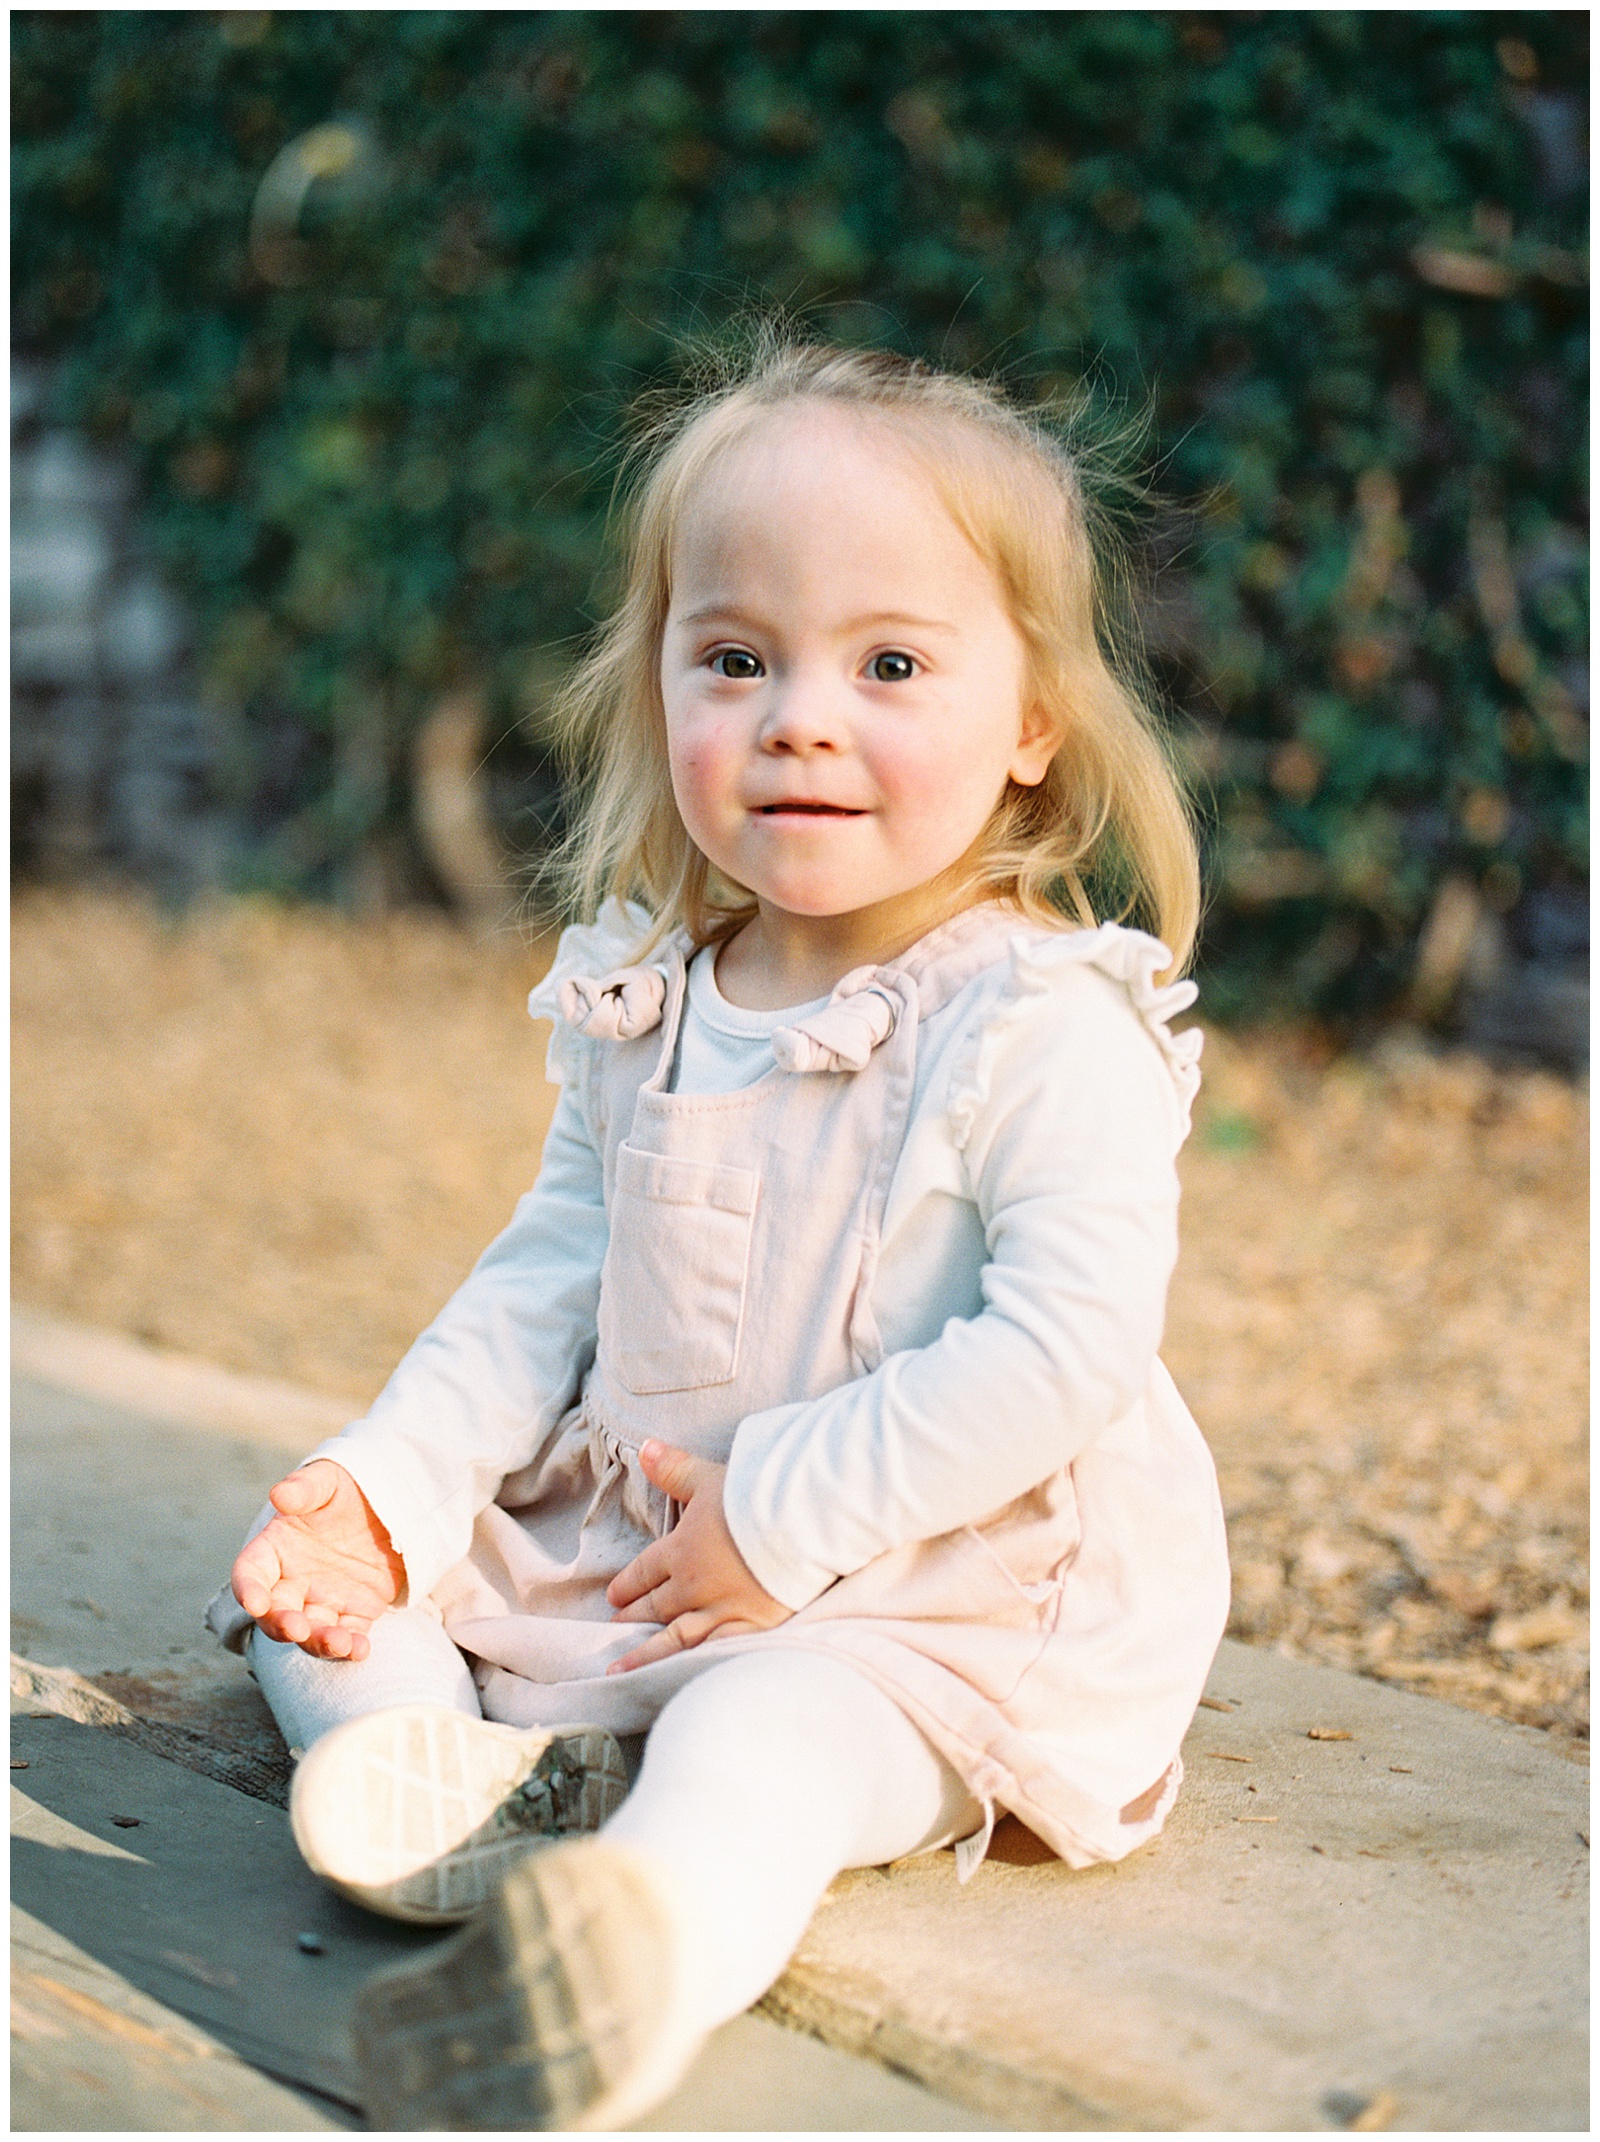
<point>628,1002</point>
<point>620,1006</point>
<point>842,1036</point>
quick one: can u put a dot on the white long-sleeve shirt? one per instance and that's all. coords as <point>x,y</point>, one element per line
<point>1028,1240</point>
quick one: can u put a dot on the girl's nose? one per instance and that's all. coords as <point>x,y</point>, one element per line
<point>802,718</point>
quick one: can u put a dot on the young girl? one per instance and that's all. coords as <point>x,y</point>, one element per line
<point>807,1416</point>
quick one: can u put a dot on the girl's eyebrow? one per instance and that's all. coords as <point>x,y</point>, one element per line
<point>731,613</point>
<point>722,612</point>
<point>899,617</point>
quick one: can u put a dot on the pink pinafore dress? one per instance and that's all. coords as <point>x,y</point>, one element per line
<point>743,1235</point>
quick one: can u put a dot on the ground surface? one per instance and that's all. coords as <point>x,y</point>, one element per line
<point>277,1139</point>
<point>1367,1910</point>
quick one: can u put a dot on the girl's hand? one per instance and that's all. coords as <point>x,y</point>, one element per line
<point>695,1581</point>
<point>324,1569</point>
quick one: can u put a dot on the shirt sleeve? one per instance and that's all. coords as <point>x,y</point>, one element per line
<point>488,1381</point>
<point>1069,1152</point>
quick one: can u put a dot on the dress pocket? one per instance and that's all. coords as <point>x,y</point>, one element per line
<point>673,1284</point>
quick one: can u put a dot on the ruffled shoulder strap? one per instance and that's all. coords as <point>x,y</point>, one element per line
<point>589,956</point>
<point>590,948</point>
<point>1040,959</point>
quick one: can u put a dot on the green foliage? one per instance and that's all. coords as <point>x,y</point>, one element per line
<point>371,373</point>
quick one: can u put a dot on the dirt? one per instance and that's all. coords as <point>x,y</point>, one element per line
<point>278,1137</point>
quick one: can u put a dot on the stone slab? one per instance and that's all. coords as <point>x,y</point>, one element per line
<point>161,1916</point>
<point>177,1500</point>
<point>1388,1929</point>
<point>90,2052</point>
<point>1393,1919</point>
<point>170,1387</point>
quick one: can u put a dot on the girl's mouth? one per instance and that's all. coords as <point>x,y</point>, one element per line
<point>807,810</point>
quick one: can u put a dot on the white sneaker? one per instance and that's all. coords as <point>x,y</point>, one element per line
<point>420,1812</point>
<point>561,2007</point>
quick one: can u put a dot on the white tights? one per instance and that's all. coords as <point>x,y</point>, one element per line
<point>762,1779</point>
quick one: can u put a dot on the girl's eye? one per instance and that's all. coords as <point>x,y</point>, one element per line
<point>736,662</point>
<point>891,668</point>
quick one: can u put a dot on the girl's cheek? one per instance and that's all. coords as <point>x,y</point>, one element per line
<point>698,770</point>
<point>927,779</point>
<point>945,799</point>
<point>693,746</point>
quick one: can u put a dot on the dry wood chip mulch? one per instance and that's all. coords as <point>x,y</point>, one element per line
<point>1380,1321</point>
<point>278,1138</point>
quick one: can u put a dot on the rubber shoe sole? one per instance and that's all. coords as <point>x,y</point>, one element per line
<point>553,2010</point>
<point>420,1812</point>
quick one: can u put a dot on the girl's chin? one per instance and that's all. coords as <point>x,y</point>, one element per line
<point>808,906</point>
<point>828,903</point>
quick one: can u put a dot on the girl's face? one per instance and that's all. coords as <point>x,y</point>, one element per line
<point>845,693</point>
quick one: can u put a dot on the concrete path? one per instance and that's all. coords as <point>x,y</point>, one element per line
<point>1381,1925</point>
<point>176,1967</point>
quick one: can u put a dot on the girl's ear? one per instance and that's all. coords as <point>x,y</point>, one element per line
<point>1038,742</point>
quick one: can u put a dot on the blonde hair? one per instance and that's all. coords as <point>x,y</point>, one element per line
<point>1109,816</point>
